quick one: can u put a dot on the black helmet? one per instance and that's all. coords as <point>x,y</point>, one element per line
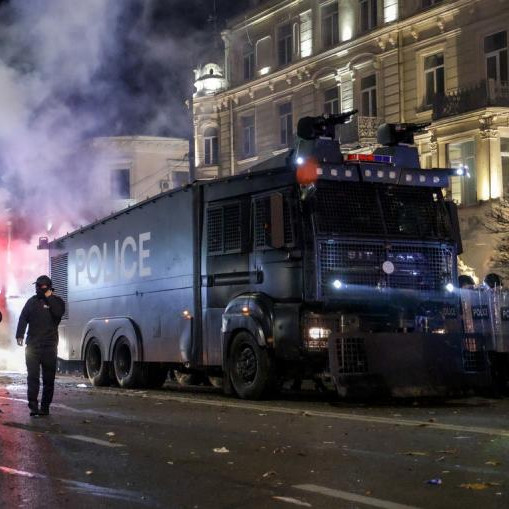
<point>43,281</point>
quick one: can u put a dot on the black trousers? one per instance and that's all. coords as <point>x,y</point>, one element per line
<point>38,357</point>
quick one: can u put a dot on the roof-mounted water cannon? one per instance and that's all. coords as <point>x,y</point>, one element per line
<point>316,138</point>
<point>398,142</point>
<point>324,126</point>
<point>391,135</point>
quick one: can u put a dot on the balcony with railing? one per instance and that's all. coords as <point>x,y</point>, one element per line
<point>361,130</point>
<point>484,94</point>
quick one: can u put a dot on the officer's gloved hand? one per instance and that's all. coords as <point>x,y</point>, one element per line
<point>19,341</point>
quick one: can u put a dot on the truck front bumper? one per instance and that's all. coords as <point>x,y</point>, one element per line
<point>408,364</point>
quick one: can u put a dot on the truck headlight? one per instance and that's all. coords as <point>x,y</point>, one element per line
<point>319,333</point>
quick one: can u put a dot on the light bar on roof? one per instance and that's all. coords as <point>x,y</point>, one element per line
<point>369,158</point>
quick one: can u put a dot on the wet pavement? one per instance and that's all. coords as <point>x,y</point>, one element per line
<point>196,448</point>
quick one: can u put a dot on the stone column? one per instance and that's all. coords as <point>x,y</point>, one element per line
<point>433,148</point>
<point>488,161</point>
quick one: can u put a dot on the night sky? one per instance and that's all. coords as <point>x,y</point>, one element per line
<point>148,74</point>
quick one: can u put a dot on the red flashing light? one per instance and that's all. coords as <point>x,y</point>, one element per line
<point>369,158</point>
<point>360,157</point>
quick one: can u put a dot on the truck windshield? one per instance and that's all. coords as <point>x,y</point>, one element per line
<point>381,210</point>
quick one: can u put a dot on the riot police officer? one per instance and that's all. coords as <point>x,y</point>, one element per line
<point>42,313</point>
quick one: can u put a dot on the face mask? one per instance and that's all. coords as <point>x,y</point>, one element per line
<point>40,290</point>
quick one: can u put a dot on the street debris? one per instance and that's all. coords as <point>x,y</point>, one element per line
<point>170,462</point>
<point>110,433</point>
<point>415,453</point>
<point>493,463</point>
<point>82,386</point>
<point>221,450</point>
<point>436,482</point>
<point>89,472</point>
<point>86,421</point>
<point>291,500</point>
<point>479,486</point>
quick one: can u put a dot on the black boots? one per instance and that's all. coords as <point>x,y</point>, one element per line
<point>34,408</point>
<point>35,411</point>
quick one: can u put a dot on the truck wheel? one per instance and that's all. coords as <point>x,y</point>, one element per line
<point>155,375</point>
<point>95,367</point>
<point>251,367</point>
<point>128,373</point>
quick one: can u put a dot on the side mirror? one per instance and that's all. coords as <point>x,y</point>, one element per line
<point>277,228</point>
<point>452,210</point>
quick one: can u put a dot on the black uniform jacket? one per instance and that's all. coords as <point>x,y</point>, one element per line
<point>42,315</point>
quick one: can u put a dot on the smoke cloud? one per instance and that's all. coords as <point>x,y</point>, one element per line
<point>70,71</point>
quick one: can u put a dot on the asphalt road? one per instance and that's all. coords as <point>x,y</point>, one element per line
<point>108,448</point>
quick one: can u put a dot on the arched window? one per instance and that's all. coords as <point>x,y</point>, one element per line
<point>211,145</point>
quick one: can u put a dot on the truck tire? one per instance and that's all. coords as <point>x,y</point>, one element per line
<point>251,368</point>
<point>96,368</point>
<point>128,373</point>
<point>155,375</point>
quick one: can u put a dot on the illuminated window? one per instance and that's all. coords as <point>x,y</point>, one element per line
<point>211,145</point>
<point>331,101</point>
<point>369,14</point>
<point>330,25</point>
<point>285,124</point>
<point>368,96</point>
<point>120,184</point>
<point>296,39</point>
<point>434,82</point>
<point>248,136</point>
<point>462,155</point>
<point>249,62</point>
<point>495,50</point>
<point>504,153</point>
<point>284,44</point>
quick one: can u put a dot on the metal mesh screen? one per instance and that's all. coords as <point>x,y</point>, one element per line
<point>232,228</point>
<point>351,354</point>
<point>414,267</point>
<point>348,207</point>
<point>413,212</point>
<point>262,221</point>
<point>380,209</point>
<point>59,277</point>
<point>288,225</point>
<point>215,230</point>
<point>474,358</point>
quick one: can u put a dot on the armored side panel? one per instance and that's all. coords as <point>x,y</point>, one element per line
<point>136,265</point>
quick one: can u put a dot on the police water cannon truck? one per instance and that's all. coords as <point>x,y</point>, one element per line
<point>314,263</point>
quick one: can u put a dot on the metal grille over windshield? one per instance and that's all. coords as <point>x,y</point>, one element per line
<point>361,264</point>
<point>381,210</point>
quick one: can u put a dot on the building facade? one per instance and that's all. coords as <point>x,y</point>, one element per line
<point>439,61</point>
<point>139,167</point>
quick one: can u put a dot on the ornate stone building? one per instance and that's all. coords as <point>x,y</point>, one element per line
<point>438,61</point>
<point>141,166</point>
